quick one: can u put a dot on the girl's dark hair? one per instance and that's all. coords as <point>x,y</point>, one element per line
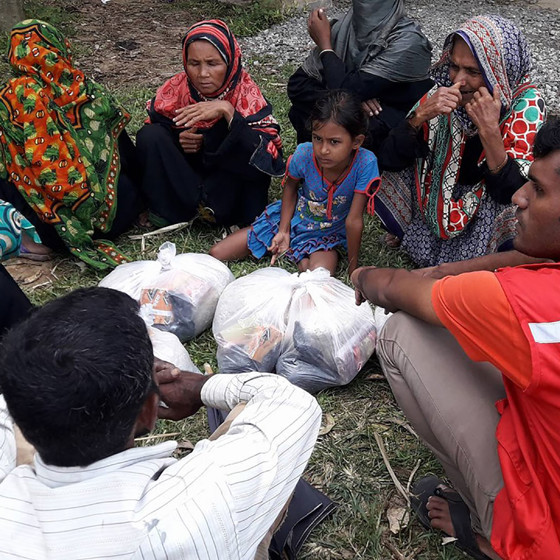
<point>341,107</point>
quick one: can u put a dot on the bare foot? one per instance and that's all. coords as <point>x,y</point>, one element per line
<point>438,511</point>
<point>33,247</point>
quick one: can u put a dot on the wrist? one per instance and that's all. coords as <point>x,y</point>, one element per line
<point>416,119</point>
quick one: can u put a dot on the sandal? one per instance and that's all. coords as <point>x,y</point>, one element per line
<point>458,510</point>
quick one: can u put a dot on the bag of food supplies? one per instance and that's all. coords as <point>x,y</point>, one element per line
<point>328,338</point>
<point>168,347</point>
<point>250,320</point>
<point>177,293</point>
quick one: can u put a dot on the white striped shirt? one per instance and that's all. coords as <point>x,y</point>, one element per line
<point>217,503</point>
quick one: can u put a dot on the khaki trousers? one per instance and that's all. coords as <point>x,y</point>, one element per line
<point>262,549</point>
<point>449,400</point>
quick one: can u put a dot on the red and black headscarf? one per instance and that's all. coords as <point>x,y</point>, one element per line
<point>238,87</point>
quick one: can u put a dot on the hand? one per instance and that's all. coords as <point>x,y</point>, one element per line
<point>371,107</point>
<point>484,110</point>
<point>180,391</point>
<point>355,279</point>
<point>190,141</point>
<point>319,29</point>
<point>203,111</point>
<point>442,102</point>
<point>442,270</point>
<point>279,245</point>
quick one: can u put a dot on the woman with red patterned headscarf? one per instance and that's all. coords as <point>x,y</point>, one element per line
<point>453,165</point>
<point>210,144</point>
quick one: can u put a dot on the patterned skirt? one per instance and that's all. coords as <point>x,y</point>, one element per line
<point>396,205</point>
<point>303,240</point>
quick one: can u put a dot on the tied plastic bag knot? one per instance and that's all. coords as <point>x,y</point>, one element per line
<point>177,293</point>
<point>166,254</point>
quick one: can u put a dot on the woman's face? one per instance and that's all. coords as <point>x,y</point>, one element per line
<point>464,68</point>
<point>206,69</point>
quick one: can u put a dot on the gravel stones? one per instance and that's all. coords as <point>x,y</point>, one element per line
<point>289,43</point>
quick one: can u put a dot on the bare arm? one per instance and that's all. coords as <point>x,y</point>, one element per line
<point>487,262</point>
<point>354,228</point>
<point>281,241</point>
<point>396,289</point>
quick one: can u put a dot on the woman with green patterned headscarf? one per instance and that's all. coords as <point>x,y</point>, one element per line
<point>60,150</point>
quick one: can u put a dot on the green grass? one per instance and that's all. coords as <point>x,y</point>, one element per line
<point>347,464</point>
<point>243,20</point>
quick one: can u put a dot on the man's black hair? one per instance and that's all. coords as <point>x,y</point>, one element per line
<point>341,107</point>
<point>547,139</point>
<point>76,374</point>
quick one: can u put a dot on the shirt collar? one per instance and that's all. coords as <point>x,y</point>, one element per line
<point>54,476</point>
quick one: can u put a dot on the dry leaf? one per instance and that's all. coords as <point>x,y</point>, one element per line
<point>185,445</point>
<point>375,377</point>
<point>328,425</point>
<point>397,514</point>
<point>208,369</point>
<point>447,540</point>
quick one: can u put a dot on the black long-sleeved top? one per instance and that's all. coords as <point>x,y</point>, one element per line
<point>396,98</point>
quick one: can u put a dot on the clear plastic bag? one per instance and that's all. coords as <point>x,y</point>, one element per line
<point>177,293</point>
<point>168,347</point>
<point>328,338</point>
<point>131,277</point>
<point>250,320</point>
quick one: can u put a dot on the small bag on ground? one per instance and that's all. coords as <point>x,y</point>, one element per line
<point>177,293</point>
<point>328,337</point>
<point>250,321</point>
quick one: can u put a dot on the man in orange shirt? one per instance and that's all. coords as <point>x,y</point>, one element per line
<point>474,362</point>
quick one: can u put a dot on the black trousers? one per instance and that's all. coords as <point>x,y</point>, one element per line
<point>129,200</point>
<point>175,184</point>
<point>14,305</point>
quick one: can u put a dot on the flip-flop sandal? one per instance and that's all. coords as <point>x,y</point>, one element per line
<point>458,510</point>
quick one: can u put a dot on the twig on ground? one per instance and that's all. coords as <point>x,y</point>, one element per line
<point>396,481</point>
<point>158,436</point>
<point>413,472</point>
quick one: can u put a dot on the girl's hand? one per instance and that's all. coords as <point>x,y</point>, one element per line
<point>279,245</point>
<point>319,29</point>
<point>203,111</point>
<point>484,109</point>
<point>190,141</point>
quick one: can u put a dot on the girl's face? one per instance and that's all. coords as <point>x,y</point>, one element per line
<point>206,69</point>
<point>333,145</point>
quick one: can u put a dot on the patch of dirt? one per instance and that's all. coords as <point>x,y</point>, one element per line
<point>131,42</point>
<point>31,274</point>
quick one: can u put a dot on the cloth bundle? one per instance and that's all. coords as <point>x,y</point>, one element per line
<point>177,293</point>
<point>306,328</point>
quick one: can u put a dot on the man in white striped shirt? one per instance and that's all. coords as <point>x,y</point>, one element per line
<point>77,378</point>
